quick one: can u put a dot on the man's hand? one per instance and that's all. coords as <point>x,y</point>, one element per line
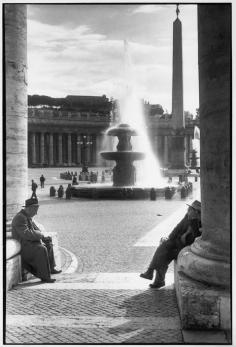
<point>183,238</point>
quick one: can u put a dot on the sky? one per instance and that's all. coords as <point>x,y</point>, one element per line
<point>79,50</point>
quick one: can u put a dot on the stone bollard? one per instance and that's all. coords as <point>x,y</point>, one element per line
<point>183,192</point>
<point>153,194</point>
<point>52,191</point>
<point>168,193</point>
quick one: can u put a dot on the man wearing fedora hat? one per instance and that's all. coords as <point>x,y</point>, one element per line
<point>36,250</point>
<point>183,235</point>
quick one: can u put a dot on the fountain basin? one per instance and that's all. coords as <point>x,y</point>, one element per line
<point>107,191</point>
<point>124,156</point>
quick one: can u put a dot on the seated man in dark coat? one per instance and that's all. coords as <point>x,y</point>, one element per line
<point>182,235</point>
<point>36,250</point>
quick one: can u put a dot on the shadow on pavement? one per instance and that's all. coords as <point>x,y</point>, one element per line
<point>147,314</point>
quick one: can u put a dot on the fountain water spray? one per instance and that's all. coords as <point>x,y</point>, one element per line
<point>132,112</point>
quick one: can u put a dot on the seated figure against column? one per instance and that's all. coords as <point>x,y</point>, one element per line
<point>36,249</point>
<point>183,235</point>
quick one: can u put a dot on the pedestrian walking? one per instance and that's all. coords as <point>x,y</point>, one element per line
<point>42,180</point>
<point>34,186</point>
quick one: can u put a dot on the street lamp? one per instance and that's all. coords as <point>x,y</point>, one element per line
<point>84,143</point>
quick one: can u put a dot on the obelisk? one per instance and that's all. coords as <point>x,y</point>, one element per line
<point>178,122</point>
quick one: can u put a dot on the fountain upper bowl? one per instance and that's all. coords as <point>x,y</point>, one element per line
<point>122,129</point>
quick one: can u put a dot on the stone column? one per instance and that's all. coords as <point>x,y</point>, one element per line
<point>69,149</point>
<point>88,150</point>
<point>190,143</point>
<point>79,139</point>
<point>51,161</point>
<point>60,148</point>
<point>42,148</point>
<point>160,149</point>
<point>33,148</point>
<point>166,151</point>
<point>94,149</point>
<point>99,158</point>
<point>15,21</point>
<point>208,258</point>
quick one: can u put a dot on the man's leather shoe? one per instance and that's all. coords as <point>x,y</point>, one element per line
<point>157,284</point>
<point>55,272</point>
<point>49,280</point>
<point>148,275</point>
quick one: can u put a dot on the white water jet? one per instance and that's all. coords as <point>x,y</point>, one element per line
<point>131,112</point>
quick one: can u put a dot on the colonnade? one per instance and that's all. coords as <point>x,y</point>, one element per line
<point>59,149</point>
<point>162,148</point>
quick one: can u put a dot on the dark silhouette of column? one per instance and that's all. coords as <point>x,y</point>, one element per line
<point>207,260</point>
<point>42,148</point>
<point>51,161</point>
<point>69,149</point>
<point>79,149</point>
<point>33,148</point>
<point>60,149</point>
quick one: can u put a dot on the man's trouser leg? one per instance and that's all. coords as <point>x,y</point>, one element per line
<point>51,257</point>
<point>161,259</point>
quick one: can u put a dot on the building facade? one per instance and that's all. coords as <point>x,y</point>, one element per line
<point>73,133</point>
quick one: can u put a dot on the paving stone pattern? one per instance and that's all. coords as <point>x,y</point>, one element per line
<point>90,305</point>
<point>101,316</point>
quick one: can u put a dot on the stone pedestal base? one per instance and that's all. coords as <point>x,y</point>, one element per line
<point>13,271</point>
<point>202,306</point>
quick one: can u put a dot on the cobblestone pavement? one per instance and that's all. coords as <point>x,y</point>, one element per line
<point>92,308</point>
<point>99,297</point>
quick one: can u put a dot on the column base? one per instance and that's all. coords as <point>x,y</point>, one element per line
<point>202,306</point>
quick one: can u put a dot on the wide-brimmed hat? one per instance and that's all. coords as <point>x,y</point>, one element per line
<point>30,202</point>
<point>196,205</point>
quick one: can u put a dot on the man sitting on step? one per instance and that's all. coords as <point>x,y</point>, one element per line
<point>36,249</point>
<point>182,235</point>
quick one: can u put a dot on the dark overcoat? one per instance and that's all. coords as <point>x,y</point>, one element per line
<point>34,253</point>
<point>170,247</point>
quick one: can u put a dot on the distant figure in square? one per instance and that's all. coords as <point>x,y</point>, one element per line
<point>34,186</point>
<point>60,191</point>
<point>68,192</point>
<point>42,180</point>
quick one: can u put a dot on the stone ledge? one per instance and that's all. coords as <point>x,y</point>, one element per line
<point>202,306</point>
<point>13,248</point>
<point>13,272</point>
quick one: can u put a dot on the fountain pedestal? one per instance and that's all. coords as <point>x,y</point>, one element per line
<point>124,171</point>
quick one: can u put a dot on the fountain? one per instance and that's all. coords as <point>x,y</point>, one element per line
<point>126,181</point>
<point>124,173</point>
